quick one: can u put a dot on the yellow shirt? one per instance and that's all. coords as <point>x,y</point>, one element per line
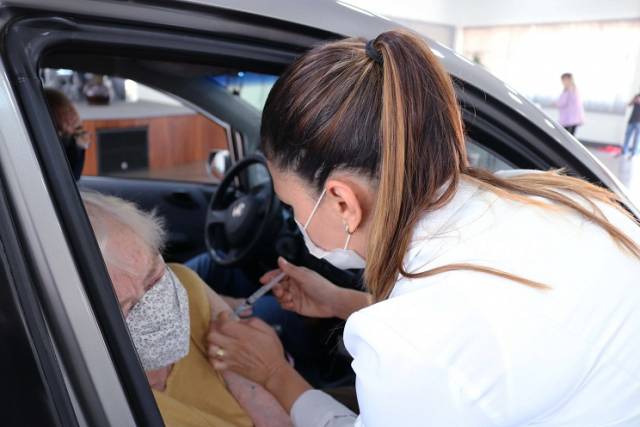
<point>196,395</point>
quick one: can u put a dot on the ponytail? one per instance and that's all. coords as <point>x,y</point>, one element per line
<point>412,169</point>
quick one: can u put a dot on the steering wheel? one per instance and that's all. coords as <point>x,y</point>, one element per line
<point>236,221</point>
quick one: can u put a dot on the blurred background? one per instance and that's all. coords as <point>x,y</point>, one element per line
<point>530,44</point>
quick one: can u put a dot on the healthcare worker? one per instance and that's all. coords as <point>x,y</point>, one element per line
<point>498,300</point>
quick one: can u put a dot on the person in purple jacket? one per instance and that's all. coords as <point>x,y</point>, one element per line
<point>570,105</point>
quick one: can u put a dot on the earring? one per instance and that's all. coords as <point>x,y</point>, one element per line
<point>346,229</point>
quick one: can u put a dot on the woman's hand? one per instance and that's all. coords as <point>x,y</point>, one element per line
<point>248,347</point>
<point>309,294</point>
<point>303,291</point>
<point>252,349</point>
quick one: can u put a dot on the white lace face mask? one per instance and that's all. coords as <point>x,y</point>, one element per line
<point>159,323</point>
<point>340,258</point>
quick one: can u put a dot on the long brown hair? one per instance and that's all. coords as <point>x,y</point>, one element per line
<point>392,115</point>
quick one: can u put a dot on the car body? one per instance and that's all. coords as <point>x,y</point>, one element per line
<point>66,356</point>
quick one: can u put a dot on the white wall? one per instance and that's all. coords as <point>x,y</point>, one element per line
<point>467,13</point>
<point>500,12</point>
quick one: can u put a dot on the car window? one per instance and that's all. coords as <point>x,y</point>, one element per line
<point>134,131</point>
<point>252,87</point>
<point>483,158</point>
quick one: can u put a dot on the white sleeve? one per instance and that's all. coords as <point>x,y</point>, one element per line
<point>315,408</point>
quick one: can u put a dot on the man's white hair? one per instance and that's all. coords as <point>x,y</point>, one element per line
<point>106,211</point>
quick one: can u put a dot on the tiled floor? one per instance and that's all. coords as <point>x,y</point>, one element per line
<point>627,170</point>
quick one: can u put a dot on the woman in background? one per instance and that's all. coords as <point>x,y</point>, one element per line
<point>570,105</point>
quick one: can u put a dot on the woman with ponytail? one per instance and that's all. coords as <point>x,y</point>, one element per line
<point>492,299</point>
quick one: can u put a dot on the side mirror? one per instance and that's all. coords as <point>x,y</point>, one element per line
<point>218,163</point>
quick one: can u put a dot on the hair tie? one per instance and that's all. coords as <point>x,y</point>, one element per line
<point>373,53</point>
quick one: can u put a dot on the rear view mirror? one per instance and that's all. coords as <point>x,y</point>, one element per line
<point>218,163</point>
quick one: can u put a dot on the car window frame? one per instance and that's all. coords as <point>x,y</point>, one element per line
<point>18,280</point>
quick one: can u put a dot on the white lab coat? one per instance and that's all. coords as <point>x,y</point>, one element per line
<point>471,349</point>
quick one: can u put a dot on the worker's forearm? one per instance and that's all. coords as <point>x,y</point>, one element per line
<point>350,301</point>
<point>287,386</point>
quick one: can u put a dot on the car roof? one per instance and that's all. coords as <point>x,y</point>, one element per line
<point>339,18</point>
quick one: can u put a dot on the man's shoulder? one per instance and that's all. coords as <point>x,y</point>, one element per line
<point>199,306</point>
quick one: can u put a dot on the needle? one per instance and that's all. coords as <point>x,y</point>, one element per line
<point>258,294</point>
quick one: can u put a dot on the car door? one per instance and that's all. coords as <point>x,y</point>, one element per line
<point>98,368</point>
<point>47,323</point>
<point>33,390</point>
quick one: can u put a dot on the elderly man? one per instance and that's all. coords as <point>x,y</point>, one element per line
<point>168,310</point>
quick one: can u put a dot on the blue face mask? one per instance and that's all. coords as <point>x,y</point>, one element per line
<point>344,258</point>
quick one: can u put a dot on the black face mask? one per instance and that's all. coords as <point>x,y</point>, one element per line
<point>75,155</point>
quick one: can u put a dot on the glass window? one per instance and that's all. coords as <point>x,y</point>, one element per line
<point>252,87</point>
<point>480,157</point>
<point>134,131</point>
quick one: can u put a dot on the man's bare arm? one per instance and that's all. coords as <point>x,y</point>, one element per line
<point>262,406</point>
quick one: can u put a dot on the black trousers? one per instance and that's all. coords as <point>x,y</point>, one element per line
<point>571,129</point>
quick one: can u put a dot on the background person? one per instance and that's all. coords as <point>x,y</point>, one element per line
<point>570,108</point>
<point>499,299</point>
<point>632,134</point>
<point>73,137</point>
